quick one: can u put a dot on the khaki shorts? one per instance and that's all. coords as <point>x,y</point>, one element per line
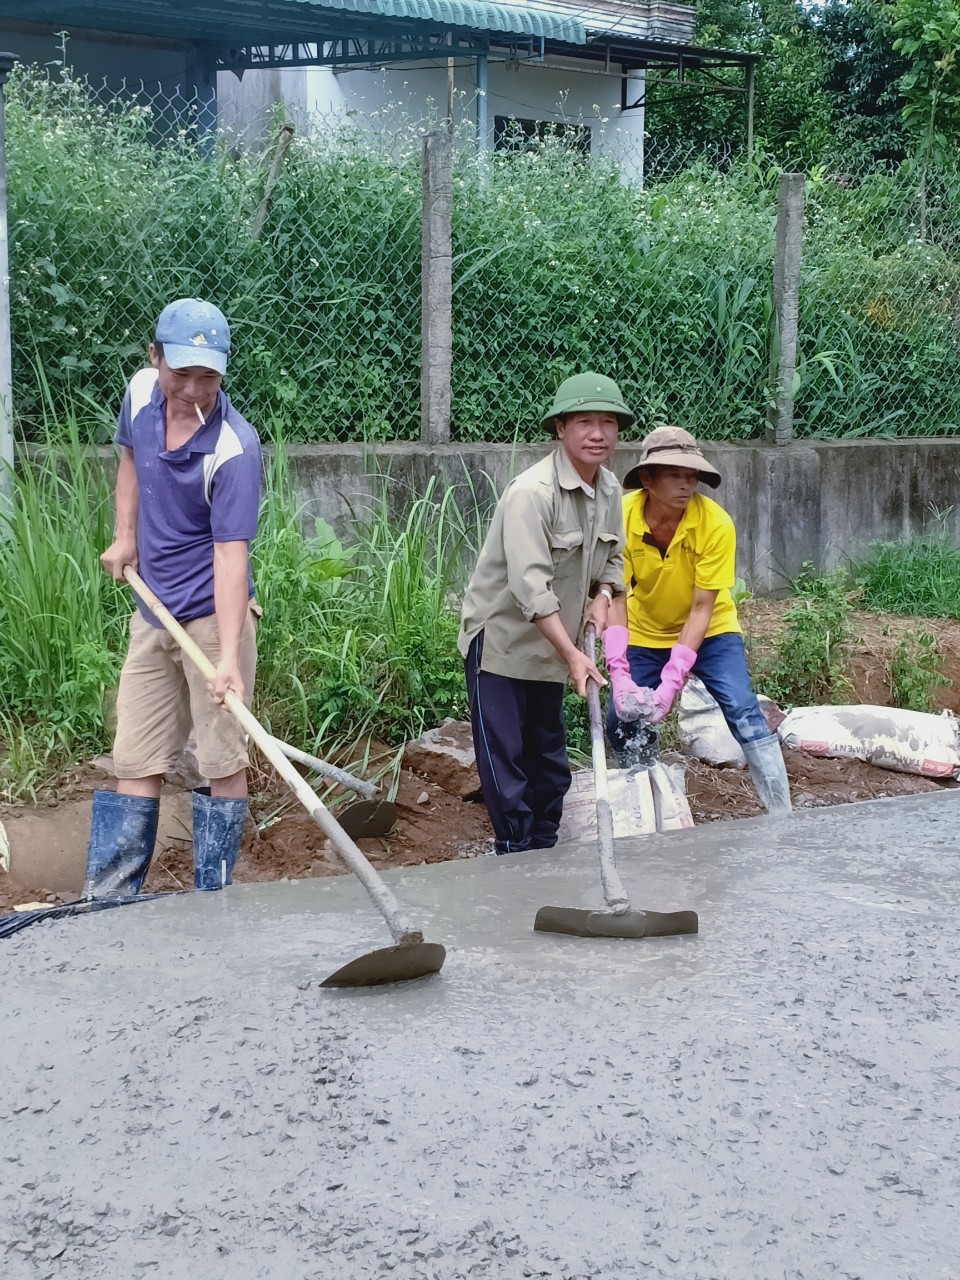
<point>162,696</point>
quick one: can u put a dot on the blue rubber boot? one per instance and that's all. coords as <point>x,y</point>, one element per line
<point>217,831</point>
<point>123,831</point>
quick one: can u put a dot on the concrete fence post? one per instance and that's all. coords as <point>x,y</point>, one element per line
<point>786,307</point>
<point>6,364</point>
<point>436,275</point>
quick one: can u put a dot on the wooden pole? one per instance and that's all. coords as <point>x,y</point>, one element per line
<point>276,168</point>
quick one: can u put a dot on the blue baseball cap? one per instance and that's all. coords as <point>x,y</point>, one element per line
<point>194,333</point>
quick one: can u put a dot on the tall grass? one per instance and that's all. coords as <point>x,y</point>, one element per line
<point>808,664</point>
<point>61,617</point>
<point>107,227</point>
<point>360,640</point>
<point>879,336</point>
<point>915,576</point>
<point>357,641</point>
<point>558,265</point>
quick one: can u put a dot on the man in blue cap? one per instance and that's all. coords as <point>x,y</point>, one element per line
<point>187,499</point>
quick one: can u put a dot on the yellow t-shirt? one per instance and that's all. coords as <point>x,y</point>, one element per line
<point>660,588</point>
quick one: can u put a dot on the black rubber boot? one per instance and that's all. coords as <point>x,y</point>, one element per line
<point>217,831</point>
<point>123,832</point>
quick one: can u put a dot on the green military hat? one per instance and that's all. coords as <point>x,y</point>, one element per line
<point>588,393</point>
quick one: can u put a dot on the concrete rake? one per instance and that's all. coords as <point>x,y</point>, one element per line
<point>410,957</point>
<point>371,815</point>
<point>620,920</point>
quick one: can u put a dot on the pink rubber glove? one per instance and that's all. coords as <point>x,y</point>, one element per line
<point>672,679</point>
<point>630,701</point>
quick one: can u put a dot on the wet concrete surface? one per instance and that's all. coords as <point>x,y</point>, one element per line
<point>776,1097</point>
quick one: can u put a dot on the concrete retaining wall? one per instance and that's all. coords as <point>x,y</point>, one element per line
<point>820,501</point>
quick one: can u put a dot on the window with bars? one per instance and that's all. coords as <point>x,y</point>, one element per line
<point>512,133</point>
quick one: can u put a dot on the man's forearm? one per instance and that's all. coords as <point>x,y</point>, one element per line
<point>127,498</point>
<point>553,630</point>
<point>231,595</point>
<point>696,626</point>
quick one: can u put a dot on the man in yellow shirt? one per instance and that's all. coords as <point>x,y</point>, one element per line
<point>552,560</point>
<point>679,566</point>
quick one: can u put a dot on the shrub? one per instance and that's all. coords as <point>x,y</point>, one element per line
<point>916,672</point>
<point>809,662</point>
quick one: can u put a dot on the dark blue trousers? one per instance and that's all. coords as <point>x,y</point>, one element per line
<point>722,666</point>
<point>521,748</point>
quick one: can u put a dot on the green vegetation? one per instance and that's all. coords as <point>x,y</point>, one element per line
<point>916,672</point>
<point>360,641</point>
<point>831,79</point>
<point>61,617</point>
<point>558,264</point>
<point>357,642</point>
<point>106,227</point>
<point>809,662</point>
<point>917,576</point>
<point>928,37</point>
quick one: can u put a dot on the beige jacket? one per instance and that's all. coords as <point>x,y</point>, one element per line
<point>547,546</point>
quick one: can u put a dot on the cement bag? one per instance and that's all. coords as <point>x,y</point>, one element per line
<point>907,741</point>
<point>643,801</point>
<point>670,804</point>
<point>703,731</point>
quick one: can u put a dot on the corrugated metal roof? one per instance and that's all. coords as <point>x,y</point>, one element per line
<point>269,21</point>
<point>478,16</point>
<point>635,19</point>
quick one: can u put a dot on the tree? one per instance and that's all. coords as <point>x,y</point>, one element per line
<point>828,82</point>
<point>862,77</point>
<point>928,36</point>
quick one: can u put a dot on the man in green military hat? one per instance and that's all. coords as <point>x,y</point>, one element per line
<point>552,561</point>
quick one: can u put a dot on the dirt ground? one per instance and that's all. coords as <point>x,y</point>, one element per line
<point>282,842</point>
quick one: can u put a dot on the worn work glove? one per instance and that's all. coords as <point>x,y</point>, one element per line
<point>629,700</point>
<point>672,679</point>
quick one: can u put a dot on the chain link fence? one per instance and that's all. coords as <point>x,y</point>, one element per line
<point>880,304</point>
<point>116,207</point>
<point>562,260</point>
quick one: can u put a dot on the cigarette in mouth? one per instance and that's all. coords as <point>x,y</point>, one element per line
<point>200,414</point>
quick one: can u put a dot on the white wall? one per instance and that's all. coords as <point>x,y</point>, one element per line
<point>564,91</point>
<point>246,106</point>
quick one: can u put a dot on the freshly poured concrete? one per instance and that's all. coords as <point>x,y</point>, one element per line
<point>777,1097</point>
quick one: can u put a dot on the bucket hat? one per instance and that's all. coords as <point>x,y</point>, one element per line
<point>671,447</point>
<point>587,393</point>
<point>194,333</point>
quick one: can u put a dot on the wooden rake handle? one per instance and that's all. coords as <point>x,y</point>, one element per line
<point>382,898</point>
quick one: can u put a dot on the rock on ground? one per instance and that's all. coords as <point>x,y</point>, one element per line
<point>445,755</point>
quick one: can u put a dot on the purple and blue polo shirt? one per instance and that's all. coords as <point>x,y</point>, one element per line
<point>206,491</point>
